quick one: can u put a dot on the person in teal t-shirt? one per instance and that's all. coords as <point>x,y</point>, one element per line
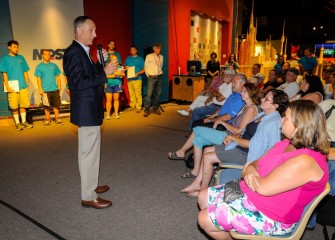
<point>15,72</point>
<point>135,82</point>
<point>49,83</point>
<point>111,50</point>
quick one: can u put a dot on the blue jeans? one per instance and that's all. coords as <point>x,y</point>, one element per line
<point>154,88</point>
<point>331,168</point>
<point>201,112</point>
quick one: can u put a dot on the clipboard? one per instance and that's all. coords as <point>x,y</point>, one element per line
<point>13,84</point>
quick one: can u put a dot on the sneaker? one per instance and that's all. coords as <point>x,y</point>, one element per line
<point>117,116</point>
<point>146,113</point>
<point>47,122</point>
<point>26,125</point>
<point>108,117</point>
<point>58,121</point>
<point>157,112</point>
<point>19,127</point>
<point>138,110</point>
<point>183,113</point>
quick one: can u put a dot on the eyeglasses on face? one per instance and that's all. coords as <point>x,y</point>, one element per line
<point>267,100</point>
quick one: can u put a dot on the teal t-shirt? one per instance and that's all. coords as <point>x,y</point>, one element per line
<point>15,66</point>
<point>138,62</point>
<point>48,72</point>
<point>114,81</point>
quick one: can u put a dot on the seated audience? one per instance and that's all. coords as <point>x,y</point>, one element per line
<point>272,81</point>
<point>257,78</point>
<point>259,136</point>
<point>328,87</point>
<point>291,87</point>
<point>311,89</point>
<point>328,107</point>
<point>204,136</point>
<point>212,95</point>
<point>232,62</point>
<point>282,73</point>
<point>273,196</point>
<point>279,65</point>
<point>232,105</point>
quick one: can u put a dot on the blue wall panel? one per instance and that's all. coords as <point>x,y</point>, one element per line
<point>5,36</point>
<point>150,25</point>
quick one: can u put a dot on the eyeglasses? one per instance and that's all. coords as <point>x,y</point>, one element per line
<point>268,100</point>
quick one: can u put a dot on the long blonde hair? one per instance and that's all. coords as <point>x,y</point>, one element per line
<point>310,122</point>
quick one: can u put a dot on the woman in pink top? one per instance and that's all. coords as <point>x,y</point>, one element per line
<point>279,185</point>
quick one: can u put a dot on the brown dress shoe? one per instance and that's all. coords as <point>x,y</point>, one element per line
<point>98,203</point>
<point>102,189</point>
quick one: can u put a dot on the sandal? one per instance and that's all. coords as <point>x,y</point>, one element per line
<point>188,175</point>
<point>174,156</point>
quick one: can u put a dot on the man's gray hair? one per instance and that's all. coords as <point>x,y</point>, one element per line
<point>242,77</point>
<point>79,21</point>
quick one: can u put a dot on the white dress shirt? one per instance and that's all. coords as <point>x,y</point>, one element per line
<point>153,64</point>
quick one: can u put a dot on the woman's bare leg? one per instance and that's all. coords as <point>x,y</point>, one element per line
<point>206,224</point>
<point>207,171</point>
<point>195,186</point>
<point>109,98</point>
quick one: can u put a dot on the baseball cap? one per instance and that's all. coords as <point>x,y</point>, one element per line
<point>293,70</point>
<point>229,71</point>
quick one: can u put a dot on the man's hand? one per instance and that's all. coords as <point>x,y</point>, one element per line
<point>105,55</point>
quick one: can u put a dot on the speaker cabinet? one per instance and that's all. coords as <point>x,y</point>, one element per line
<point>187,88</point>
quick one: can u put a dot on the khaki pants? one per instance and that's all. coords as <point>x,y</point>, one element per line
<point>135,94</point>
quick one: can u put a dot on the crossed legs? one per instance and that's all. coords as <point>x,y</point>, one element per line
<point>205,172</point>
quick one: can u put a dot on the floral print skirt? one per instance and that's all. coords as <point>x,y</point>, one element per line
<point>241,215</point>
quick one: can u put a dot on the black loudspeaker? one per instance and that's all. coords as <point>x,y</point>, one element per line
<point>187,88</point>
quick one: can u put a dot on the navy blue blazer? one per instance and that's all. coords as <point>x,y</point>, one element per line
<point>86,86</point>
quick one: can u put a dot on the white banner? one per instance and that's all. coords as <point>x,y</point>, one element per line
<point>44,24</point>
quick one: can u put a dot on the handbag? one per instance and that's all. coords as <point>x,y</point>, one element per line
<point>232,191</point>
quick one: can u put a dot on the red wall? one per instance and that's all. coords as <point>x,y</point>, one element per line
<point>113,19</point>
<point>179,28</point>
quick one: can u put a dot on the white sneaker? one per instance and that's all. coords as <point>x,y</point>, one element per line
<point>183,113</point>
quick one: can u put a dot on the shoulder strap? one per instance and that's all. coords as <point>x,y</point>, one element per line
<point>329,112</point>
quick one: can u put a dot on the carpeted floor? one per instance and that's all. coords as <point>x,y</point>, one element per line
<point>40,184</point>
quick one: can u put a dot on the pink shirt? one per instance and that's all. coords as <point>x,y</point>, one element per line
<point>286,207</point>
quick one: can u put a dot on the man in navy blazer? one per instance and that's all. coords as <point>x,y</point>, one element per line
<point>86,85</point>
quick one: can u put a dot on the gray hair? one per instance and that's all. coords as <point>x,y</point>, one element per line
<point>79,21</point>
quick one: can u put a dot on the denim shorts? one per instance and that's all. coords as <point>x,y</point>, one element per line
<point>114,89</point>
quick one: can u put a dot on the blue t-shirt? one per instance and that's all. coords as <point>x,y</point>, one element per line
<point>232,106</point>
<point>47,72</point>
<point>308,63</point>
<point>138,62</point>
<point>15,66</point>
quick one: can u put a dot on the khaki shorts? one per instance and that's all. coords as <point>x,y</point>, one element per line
<point>17,99</point>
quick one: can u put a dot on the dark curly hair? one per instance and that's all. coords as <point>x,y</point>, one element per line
<point>280,98</point>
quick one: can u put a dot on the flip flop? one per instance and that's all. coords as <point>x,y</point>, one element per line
<point>188,175</point>
<point>174,156</point>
